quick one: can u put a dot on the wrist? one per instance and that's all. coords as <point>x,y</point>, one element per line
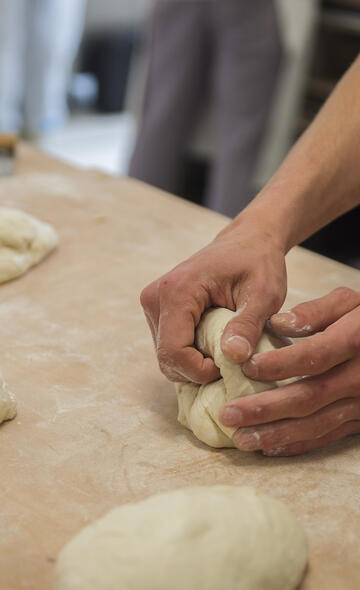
<point>255,226</point>
<point>277,213</point>
<point>284,209</point>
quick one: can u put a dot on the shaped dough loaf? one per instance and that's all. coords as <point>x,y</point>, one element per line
<point>24,242</point>
<point>202,538</point>
<point>7,402</point>
<point>199,405</point>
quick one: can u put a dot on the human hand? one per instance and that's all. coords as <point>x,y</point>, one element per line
<point>242,269</point>
<point>322,407</point>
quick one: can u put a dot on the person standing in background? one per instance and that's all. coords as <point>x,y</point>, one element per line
<point>38,43</point>
<point>232,47</point>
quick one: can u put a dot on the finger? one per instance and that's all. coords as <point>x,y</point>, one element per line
<point>301,398</point>
<point>188,364</point>
<point>286,432</point>
<point>149,299</point>
<point>151,326</point>
<point>243,332</point>
<point>290,401</point>
<point>351,427</point>
<point>311,356</point>
<point>314,316</point>
<point>179,360</point>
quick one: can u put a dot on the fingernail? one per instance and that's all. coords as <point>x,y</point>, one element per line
<point>285,317</point>
<point>243,347</point>
<point>251,368</point>
<point>231,416</point>
<point>247,441</point>
<point>274,452</point>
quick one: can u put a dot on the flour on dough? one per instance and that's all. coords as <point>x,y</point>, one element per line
<point>202,538</point>
<point>199,405</point>
<point>7,402</point>
<point>24,242</point>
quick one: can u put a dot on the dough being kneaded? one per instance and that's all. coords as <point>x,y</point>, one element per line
<point>199,405</point>
<point>202,538</point>
<point>24,242</point>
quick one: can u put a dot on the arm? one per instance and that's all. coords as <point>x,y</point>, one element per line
<point>244,267</point>
<point>320,178</point>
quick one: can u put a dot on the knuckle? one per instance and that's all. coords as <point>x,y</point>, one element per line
<point>175,287</point>
<point>261,412</point>
<point>167,284</point>
<point>345,292</point>
<point>250,322</point>
<point>170,357</point>
<point>147,296</point>
<point>311,395</point>
<point>165,357</point>
<point>166,364</point>
<point>321,388</point>
<point>171,375</point>
<point>307,311</point>
<point>216,290</point>
<point>275,300</point>
<point>352,409</point>
<point>308,307</point>
<point>305,400</point>
<point>271,294</point>
<point>314,363</point>
<point>270,363</point>
<point>315,356</point>
<point>354,342</point>
<point>260,283</point>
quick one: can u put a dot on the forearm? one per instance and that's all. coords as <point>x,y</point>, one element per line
<point>320,178</point>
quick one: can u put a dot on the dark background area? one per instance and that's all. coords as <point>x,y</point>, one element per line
<point>108,55</point>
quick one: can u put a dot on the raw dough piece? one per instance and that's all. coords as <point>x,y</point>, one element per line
<point>24,241</point>
<point>203,538</point>
<point>7,402</point>
<point>199,405</point>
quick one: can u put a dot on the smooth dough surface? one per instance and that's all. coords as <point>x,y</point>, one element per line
<point>24,242</point>
<point>7,402</point>
<point>208,538</point>
<point>199,405</point>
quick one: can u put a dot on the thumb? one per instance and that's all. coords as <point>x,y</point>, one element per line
<point>243,332</point>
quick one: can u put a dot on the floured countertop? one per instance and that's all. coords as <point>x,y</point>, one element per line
<point>96,422</point>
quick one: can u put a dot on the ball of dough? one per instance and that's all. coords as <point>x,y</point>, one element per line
<point>199,405</point>
<point>7,402</point>
<point>208,538</point>
<point>24,242</point>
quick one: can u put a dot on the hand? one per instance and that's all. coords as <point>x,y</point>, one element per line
<point>322,407</point>
<point>242,269</point>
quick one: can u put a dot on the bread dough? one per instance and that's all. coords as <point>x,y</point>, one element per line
<point>24,241</point>
<point>7,402</point>
<point>199,405</point>
<point>202,538</point>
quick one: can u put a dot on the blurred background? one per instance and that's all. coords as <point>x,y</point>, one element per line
<point>203,98</point>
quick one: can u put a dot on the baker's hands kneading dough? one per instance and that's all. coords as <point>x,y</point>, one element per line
<point>242,269</point>
<point>318,409</point>
<point>199,405</point>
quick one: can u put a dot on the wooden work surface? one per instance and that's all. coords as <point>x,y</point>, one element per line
<point>96,422</point>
